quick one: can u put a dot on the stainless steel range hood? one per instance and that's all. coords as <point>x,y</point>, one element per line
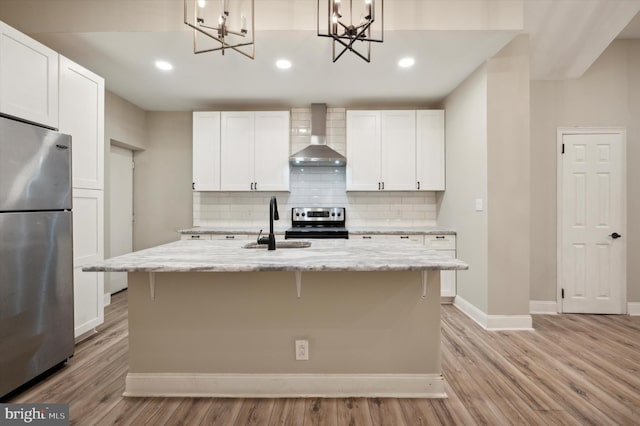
<point>318,153</point>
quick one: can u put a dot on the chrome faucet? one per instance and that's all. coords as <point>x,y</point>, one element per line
<point>273,215</point>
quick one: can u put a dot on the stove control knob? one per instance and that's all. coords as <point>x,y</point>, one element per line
<point>298,214</point>
<point>339,214</point>
<point>333,214</point>
<point>304,214</point>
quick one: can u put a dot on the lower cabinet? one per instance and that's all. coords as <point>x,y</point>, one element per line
<point>88,247</point>
<point>446,245</point>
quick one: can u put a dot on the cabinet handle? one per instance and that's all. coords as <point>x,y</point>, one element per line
<point>252,186</point>
<point>383,186</point>
<point>195,237</point>
<point>255,186</point>
<point>404,237</point>
<point>379,186</point>
<point>418,184</point>
<point>193,185</point>
<point>440,237</point>
<point>230,237</point>
<point>366,237</point>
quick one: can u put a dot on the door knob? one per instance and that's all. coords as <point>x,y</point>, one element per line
<point>615,235</point>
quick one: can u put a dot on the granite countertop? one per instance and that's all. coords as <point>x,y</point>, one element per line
<point>323,255</point>
<point>387,230</point>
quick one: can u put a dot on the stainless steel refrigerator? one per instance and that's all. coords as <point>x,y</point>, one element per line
<point>36,258</point>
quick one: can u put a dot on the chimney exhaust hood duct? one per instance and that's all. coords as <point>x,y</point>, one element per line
<point>318,154</point>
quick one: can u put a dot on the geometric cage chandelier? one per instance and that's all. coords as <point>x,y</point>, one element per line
<point>219,25</point>
<point>352,27</point>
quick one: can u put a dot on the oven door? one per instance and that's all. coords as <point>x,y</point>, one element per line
<point>316,233</point>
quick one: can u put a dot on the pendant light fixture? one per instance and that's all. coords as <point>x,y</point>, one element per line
<point>221,25</point>
<point>350,23</point>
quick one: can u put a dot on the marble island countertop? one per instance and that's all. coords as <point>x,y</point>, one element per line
<point>322,255</point>
<point>359,230</point>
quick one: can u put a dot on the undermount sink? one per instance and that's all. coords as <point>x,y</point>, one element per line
<point>279,245</point>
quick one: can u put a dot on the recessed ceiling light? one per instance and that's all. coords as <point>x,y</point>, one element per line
<point>202,3</point>
<point>283,64</point>
<point>164,65</point>
<point>406,62</point>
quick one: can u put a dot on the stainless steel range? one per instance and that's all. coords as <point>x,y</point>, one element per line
<point>317,222</point>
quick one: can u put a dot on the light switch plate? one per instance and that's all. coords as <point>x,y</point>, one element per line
<point>479,206</point>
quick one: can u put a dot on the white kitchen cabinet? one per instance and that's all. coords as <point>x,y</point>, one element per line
<point>368,237</point>
<point>397,150</point>
<point>82,116</point>
<point>195,236</point>
<point>206,151</point>
<point>446,245</point>
<point>231,237</point>
<point>28,78</point>
<point>88,247</point>
<point>254,151</point>
<point>407,237</point>
<point>430,150</point>
<point>363,150</point>
<point>381,150</point>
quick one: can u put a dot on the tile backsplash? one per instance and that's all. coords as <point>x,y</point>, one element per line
<point>316,186</point>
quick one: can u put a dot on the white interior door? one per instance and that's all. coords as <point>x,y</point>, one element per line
<point>592,200</point>
<point>121,210</point>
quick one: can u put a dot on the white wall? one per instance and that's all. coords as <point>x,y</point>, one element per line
<point>608,94</point>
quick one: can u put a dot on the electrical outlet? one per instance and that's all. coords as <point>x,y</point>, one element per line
<point>302,350</point>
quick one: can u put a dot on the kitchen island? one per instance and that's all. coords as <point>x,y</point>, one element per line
<point>211,318</point>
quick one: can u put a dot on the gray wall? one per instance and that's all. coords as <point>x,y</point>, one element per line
<point>162,183</point>
<point>607,95</point>
<point>466,177</point>
<point>487,132</point>
<point>508,179</point>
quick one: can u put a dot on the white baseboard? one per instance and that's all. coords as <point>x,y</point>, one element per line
<point>493,322</point>
<point>543,307</point>
<point>285,385</point>
<point>107,299</point>
<point>633,308</point>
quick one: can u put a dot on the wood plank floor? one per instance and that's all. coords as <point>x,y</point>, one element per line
<point>572,370</point>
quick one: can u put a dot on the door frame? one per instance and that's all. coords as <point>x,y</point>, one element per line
<point>561,131</point>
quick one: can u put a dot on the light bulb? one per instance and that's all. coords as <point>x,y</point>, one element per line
<point>202,3</point>
<point>334,18</point>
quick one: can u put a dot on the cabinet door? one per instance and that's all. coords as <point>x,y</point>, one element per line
<point>398,148</point>
<point>271,151</point>
<point>430,150</point>
<point>236,151</point>
<point>448,278</point>
<point>82,116</point>
<point>363,151</point>
<point>28,78</point>
<point>206,151</point>
<point>88,247</point>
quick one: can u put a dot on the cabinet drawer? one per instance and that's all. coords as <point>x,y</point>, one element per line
<point>416,238</point>
<point>368,237</point>
<point>229,237</point>
<point>440,242</point>
<point>195,237</point>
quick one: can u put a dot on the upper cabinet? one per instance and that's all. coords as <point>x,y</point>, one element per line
<point>206,151</point>
<point>254,151</point>
<point>399,150</point>
<point>430,150</point>
<point>82,116</point>
<point>28,78</point>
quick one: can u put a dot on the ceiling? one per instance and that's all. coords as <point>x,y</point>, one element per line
<point>121,40</point>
